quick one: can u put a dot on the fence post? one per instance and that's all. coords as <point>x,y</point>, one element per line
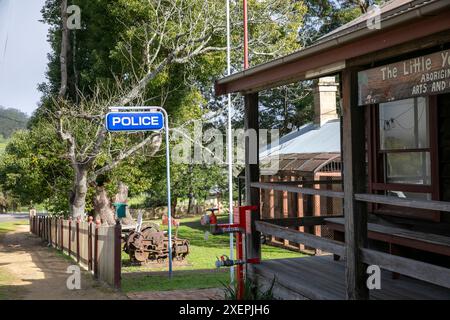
<point>50,239</point>
<point>90,244</point>
<point>97,225</point>
<point>49,230</point>
<point>56,232</point>
<point>117,254</point>
<point>78,239</point>
<point>61,234</point>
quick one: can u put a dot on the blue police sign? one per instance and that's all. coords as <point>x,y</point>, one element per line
<point>134,121</point>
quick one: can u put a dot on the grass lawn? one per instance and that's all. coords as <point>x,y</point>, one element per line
<point>200,262</point>
<point>6,227</point>
<point>179,281</point>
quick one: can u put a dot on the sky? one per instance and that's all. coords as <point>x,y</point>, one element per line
<point>23,53</point>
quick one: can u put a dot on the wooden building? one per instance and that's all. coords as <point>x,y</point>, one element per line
<point>310,157</point>
<point>394,82</point>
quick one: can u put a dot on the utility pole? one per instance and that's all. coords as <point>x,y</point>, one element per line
<point>245,34</point>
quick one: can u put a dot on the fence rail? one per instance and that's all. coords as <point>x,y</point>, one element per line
<point>95,247</point>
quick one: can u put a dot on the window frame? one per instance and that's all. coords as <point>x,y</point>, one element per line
<point>376,172</point>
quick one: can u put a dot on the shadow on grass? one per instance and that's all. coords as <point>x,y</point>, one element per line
<point>160,281</point>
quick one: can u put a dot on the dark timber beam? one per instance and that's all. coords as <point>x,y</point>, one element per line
<point>354,176</point>
<point>307,239</point>
<point>300,221</point>
<point>294,189</point>
<point>251,123</point>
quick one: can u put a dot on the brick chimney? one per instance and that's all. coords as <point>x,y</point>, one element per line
<point>325,100</point>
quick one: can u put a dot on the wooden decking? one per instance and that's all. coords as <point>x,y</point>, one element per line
<point>320,277</point>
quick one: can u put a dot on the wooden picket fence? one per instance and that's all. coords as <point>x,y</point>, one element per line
<point>95,247</point>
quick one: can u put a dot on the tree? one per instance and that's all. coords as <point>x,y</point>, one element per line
<point>158,39</point>
<point>11,120</point>
<point>32,170</point>
<point>133,52</point>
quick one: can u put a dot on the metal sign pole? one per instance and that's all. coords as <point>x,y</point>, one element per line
<point>230,144</point>
<point>169,202</point>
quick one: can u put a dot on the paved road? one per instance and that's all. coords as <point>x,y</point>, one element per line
<point>12,217</point>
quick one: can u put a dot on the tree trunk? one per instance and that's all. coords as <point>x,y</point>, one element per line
<point>122,196</point>
<point>189,208</point>
<point>174,206</point>
<point>103,207</point>
<point>78,199</point>
<point>65,48</point>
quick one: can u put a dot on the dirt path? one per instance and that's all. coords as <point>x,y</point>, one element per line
<point>192,294</point>
<point>33,271</point>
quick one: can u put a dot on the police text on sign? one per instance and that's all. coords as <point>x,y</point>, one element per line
<point>134,121</point>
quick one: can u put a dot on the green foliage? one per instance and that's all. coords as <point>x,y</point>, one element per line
<point>287,107</point>
<point>11,120</point>
<point>112,52</point>
<point>32,170</point>
<point>325,16</point>
<point>251,291</point>
<point>3,143</point>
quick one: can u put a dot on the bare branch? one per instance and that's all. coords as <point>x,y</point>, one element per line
<point>155,141</point>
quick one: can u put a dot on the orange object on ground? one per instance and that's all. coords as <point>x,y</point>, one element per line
<point>165,221</point>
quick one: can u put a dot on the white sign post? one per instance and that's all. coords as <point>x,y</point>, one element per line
<point>135,119</point>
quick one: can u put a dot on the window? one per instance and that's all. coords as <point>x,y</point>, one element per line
<point>405,142</point>
<point>400,151</point>
<point>404,124</point>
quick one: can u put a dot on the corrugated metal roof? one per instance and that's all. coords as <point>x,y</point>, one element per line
<point>298,163</point>
<point>308,139</point>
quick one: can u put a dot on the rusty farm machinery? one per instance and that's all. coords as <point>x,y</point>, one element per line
<point>146,243</point>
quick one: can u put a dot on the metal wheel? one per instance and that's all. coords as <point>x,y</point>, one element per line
<point>140,256</point>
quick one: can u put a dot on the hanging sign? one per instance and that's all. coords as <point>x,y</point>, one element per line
<point>420,76</point>
<point>134,121</point>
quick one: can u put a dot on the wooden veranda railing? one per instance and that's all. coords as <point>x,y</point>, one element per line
<point>416,269</point>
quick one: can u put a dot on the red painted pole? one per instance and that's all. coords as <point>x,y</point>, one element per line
<point>239,267</point>
<point>245,34</point>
